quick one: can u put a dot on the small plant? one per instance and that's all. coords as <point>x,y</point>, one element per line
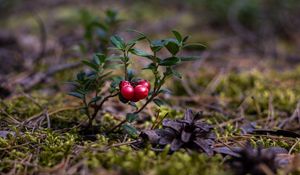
<point>97,31</point>
<point>129,87</point>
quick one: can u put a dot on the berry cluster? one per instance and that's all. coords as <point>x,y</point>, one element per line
<point>134,91</point>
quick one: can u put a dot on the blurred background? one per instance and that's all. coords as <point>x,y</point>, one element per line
<point>39,38</point>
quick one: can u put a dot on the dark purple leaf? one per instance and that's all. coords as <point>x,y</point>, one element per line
<point>185,136</point>
<point>226,151</point>
<point>206,127</point>
<point>204,145</point>
<point>176,144</point>
<point>166,136</point>
<point>172,124</point>
<point>189,116</point>
<point>151,136</point>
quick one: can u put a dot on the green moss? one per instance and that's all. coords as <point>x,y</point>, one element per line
<point>49,147</point>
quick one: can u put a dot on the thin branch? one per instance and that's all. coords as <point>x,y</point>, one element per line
<point>100,106</point>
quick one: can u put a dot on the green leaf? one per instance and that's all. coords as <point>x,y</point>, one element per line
<point>94,66</point>
<point>81,76</point>
<point>177,35</point>
<point>118,42</point>
<point>164,91</point>
<point>172,46</point>
<point>194,46</point>
<point>171,71</point>
<point>132,131</point>
<point>76,94</point>
<point>100,58</point>
<point>169,61</point>
<point>130,117</point>
<point>96,60</point>
<point>150,66</point>
<point>113,57</point>
<point>141,35</point>
<point>176,74</point>
<point>185,39</point>
<point>156,45</point>
<point>133,104</point>
<point>190,58</point>
<point>140,52</point>
<point>130,74</point>
<point>132,43</point>
<point>111,13</point>
<point>115,81</point>
<point>102,76</point>
<point>158,102</point>
<point>73,83</point>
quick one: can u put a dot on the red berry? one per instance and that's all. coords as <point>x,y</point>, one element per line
<point>140,92</point>
<point>145,83</point>
<point>127,92</point>
<point>123,83</point>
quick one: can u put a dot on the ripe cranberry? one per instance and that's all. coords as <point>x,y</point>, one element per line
<point>123,83</point>
<point>127,92</point>
<point>145,83</point>
<point>140,92</point>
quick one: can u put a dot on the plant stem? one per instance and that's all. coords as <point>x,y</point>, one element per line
<point>98,107</point>
<point>86,107</point>
<point>117,126</point>
<point>125,66</point>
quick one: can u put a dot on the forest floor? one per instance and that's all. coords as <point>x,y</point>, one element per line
<point>245,97</point>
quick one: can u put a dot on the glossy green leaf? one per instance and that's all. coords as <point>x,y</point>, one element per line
<point>172,46</point>
<point>171,61</point>
<point>133,105</point>
<point>130,74</point>
<point>76,94</point>
<point>150,66</point>
<point>141,35</point>
<point>105,75</point>
<point>115,81</point>
<point>156,45</point>
<point>176,74</point>
<point>100,57</point>
<point>194,46</point>
<point>118,42</point>
<point>165,91</point>
<point>177,35</point>
<point>190,58</point>
<point>140,52</point>
<point>94,66</point>
<point>81,76</point>
<point>96,60</point>
<point>132,43</point>
<point>132,131</point>
<point>158,102</point>
<point>185,39</point>
<point>130,117</point>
